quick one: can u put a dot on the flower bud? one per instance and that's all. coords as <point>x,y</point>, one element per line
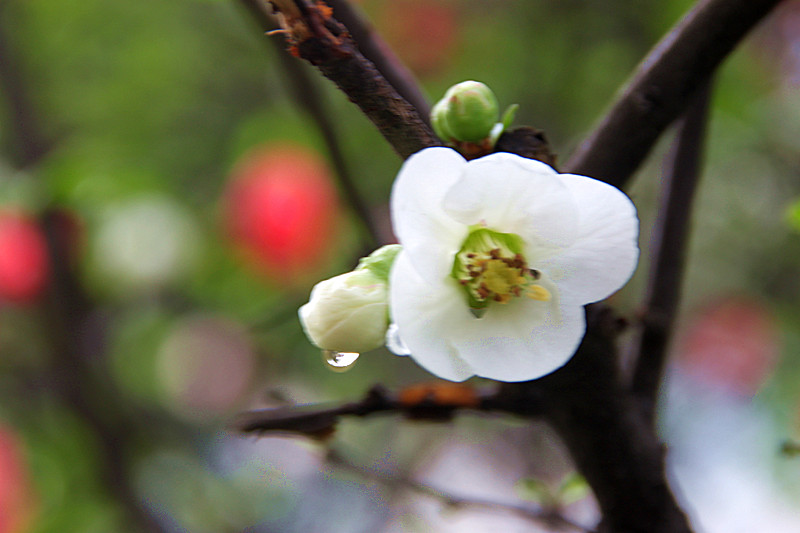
<point>468,112</point>
<point>350,312</point>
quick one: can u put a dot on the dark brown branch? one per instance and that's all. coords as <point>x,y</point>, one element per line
<point>669,241</point>
<point>319,39</point>
<point>381,55</point>
<point>662,86</point>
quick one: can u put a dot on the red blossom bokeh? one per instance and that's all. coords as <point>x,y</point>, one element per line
<point>23,257</point>
<point>733,343</point>
<point>281,210</point>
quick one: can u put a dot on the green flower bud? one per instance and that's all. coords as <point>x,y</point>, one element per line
<point>468,112</point>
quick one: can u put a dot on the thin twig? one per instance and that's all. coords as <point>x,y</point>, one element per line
<point>535,513</point>
<point>318,38</point>
<point>427,401</point>
<point>662,86</point>
<point>305,91</point>
<point>381,55</point>
<point>669,241</point>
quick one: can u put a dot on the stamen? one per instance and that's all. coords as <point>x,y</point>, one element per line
<point>491,268</point>
<point>537,292</point>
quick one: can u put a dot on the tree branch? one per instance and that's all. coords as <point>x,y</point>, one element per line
<point>28,143</point>
<point>662,86</point>
<point>430,401</point>
<point>378,52</point>
<point>669,243</point>
<point>319,39</point>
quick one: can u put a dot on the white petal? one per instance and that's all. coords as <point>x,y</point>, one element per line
<point>428,317</point>
<point>604,256</point>
<point>512,194</point>
<point>522,342</point>
<point>428,235</point>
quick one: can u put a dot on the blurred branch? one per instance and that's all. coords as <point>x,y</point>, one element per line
<point>68,313</point>
<point>314,35</point>
<point>434,401</point>
<point>376,50</point>
<point>662,86</point>
<point>547,517</point>
<point>669,242</point>
<point>29,144</point>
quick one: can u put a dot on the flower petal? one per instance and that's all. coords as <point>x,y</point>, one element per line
<point>429,236</point>
<point>604,256</point>
<point>428,317</point>
<point>512,194</point>
<point>522,342</point>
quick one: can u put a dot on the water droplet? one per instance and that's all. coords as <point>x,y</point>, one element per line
<point>339,361</point>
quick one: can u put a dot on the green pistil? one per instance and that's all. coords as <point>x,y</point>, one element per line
<point>491,268</point>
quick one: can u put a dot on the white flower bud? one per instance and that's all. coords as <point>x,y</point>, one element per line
<point>348,313</point>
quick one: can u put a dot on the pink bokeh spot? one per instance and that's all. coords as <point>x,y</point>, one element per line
<point>733,343</point>
<point>281,209</point>
<point>23,258</point>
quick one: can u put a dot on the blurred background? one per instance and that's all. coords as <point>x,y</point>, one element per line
<point>157,148</point>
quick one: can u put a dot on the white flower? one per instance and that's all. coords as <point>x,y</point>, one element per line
<point>347,313</point>
<point>500,254</point>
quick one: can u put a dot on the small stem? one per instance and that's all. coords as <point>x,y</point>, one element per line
<point>308,97</point>
<point>669,242</point>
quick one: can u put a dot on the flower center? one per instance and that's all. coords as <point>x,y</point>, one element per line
<point>491,268</point>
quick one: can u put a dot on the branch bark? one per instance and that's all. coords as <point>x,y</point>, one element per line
<point>378,52</point>
<point>662,86</point>
<point>314,35</point>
